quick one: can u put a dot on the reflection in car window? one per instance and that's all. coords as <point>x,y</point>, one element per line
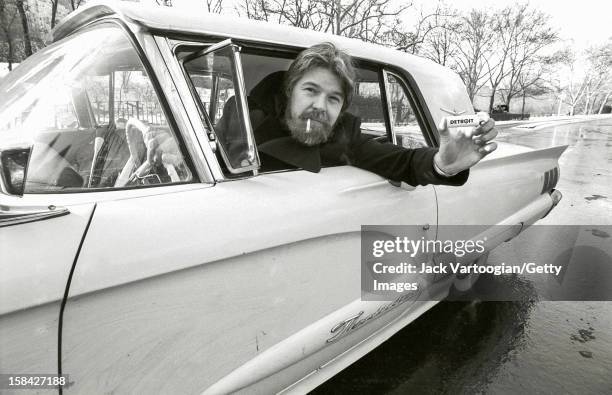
<point>405,125</point>
<point>368,105</point>
<point>89,109</point>
<point>214,78</point>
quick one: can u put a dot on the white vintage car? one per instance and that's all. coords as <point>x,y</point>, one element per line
<point>199,272</point>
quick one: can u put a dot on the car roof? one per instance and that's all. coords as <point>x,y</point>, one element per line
<point>440,86</point>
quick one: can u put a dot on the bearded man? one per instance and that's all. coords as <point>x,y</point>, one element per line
<point>305,125</point>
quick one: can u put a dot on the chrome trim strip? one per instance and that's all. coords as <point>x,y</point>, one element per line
<point>253,153</point>
<point>546,182</point>
<point>19,215</point>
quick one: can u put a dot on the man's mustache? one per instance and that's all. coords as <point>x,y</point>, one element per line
<point>316,115</point>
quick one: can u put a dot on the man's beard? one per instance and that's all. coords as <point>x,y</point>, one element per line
<point>319,132</point>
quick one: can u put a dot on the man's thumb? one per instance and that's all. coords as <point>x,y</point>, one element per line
<point>442,126</point>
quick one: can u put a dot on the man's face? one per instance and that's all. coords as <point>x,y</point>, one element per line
<point>314,106</point>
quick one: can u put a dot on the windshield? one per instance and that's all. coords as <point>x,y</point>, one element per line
<point>89,110</point>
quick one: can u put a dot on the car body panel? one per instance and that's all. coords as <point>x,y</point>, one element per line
<point>294,232</point>
<point>35,263</point>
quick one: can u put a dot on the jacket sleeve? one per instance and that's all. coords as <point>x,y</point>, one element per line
<point>413,166</point>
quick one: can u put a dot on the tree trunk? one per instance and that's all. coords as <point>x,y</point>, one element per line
<point>587,100</point>
<point>53,12</point>
<point>27,42</point>
<point>492,100</point>
<point>9,40</point>
<point>508,100</point>
<point>6,28</point>
<point>603,103</point>
<point>522,108</point>
<point>559,108</point>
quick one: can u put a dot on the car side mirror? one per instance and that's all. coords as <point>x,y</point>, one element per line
<point>13,169</point>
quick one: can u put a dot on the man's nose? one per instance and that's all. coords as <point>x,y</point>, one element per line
<point>319,102</point>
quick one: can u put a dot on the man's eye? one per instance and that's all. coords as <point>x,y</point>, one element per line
<point>334,99</point>
<point>309,90</point>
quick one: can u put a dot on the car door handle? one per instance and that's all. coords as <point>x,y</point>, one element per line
<point>13,215</point>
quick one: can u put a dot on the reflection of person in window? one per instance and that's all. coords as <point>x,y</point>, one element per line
<point>305,125</point>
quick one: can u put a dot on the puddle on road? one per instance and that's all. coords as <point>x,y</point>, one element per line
<point>583,335</point>
<point>595,197</point>
<point>598,233</point>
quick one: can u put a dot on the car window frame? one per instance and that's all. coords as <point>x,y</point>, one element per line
<point>240,94</point>
<point>417,102</point>
<point>414,96</point>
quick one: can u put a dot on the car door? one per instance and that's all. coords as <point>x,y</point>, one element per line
<point>179,290</point>
<point>199,282</point>
<point>39,241</point>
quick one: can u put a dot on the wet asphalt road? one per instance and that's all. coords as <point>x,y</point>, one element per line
<point>514,347</point>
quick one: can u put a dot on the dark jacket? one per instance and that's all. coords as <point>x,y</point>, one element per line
<point>347,146</point>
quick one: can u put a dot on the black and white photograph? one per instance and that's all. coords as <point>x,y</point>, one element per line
<point>305,197</point>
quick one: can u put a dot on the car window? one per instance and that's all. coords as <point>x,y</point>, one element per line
<point>91,113</point>
<point>263,72</point>
<point>407,131</point>
<point>368,105</point>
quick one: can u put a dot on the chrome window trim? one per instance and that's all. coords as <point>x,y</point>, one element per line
<point>198,133</point>
<point>240,95</point>
<point>412,101</point>
<point>419,108</point>
<point>388,104</point>
<point>253,153</point>
<point>171,91</point>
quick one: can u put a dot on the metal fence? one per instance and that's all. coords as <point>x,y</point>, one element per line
<point>149,112</point>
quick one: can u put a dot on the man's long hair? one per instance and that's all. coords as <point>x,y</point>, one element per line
<point>327,56</point>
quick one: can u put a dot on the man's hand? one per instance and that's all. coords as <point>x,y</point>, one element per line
<point>462,148</point>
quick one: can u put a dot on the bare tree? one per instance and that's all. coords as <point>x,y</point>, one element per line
<point>7,17</point>
<point>427,24</point>
<point>74,4</point>
<point>599,75</point>
<point>440,44</point>
<point>506,24</point>
<point>531,83</point>
<point>573,85</point>
<point>369,20</point>
<point>476,42</point>
<point>27,41</point>
<point>214,6</point>
<point>531,36</point>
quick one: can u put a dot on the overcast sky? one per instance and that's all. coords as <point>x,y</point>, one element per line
<point>586,22</point>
